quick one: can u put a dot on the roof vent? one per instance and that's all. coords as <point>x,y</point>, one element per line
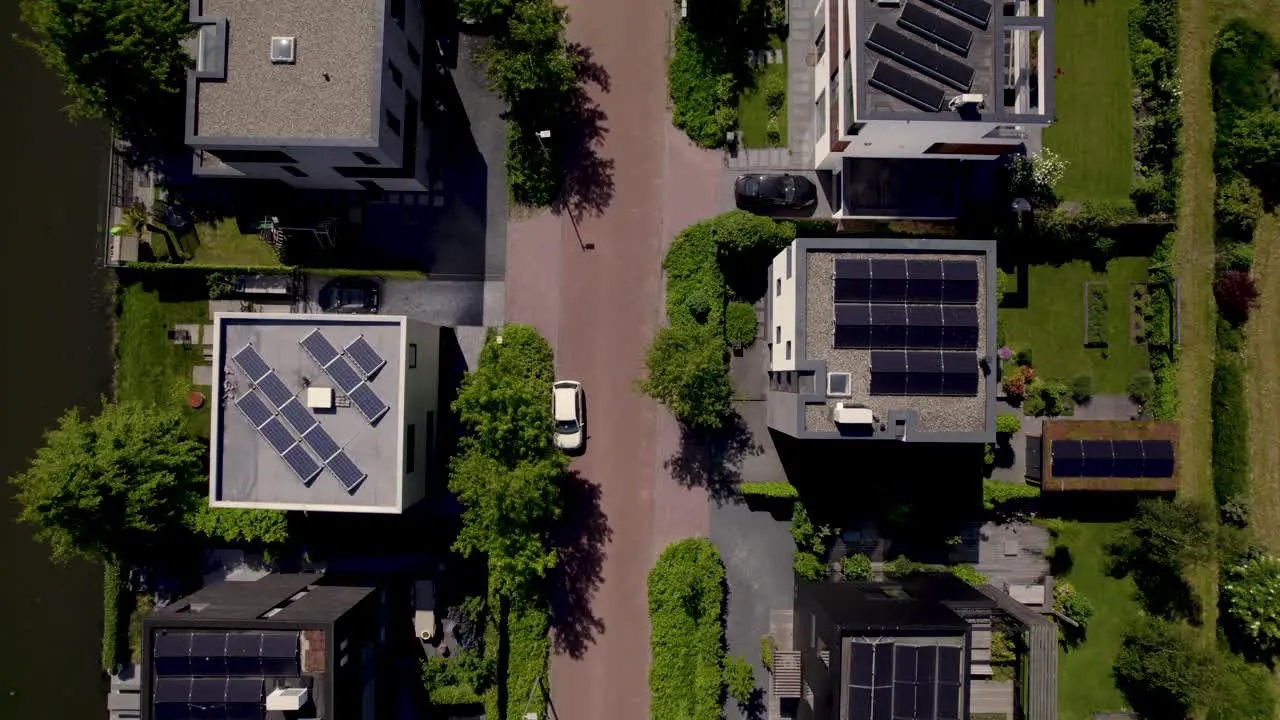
<point>852,415</point>
<point>838,384</point>
<point>287,699</point>
<point>282,50</point>
<point>960,101</point>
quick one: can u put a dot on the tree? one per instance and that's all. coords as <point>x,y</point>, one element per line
<point>1249,590</point>
<point>504,404</point>
<point>1252,144</point>
<point>740,679</point>
<point>236,525</point>
<point>1167,535</point>
<point>484,12</point>
<point>120,60</point>
<point>740,324</point>
<point>687,372</point>
<point>1068,601</point>
<point>111,486</point>
<point>1237,207</point>
<point>1236,295</point>
<point>1162,671</point>
<point>530,65</point>
<point>740,234</point>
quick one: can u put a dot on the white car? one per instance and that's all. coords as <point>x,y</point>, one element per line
<point>566,408</point>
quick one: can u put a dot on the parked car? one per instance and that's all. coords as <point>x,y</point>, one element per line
<point>567,407</point>
<point>774,192</point>
<point>350,295</point>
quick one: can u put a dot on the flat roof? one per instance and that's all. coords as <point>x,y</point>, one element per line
<point>247,470</point>
<point>1094,431</point>
<point>330,91</point>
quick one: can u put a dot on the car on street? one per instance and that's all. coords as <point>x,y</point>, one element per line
<point>768,192</point>
<point>350,295</point>
<point>567,408</point>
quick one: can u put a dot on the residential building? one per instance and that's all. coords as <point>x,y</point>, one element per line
<point>281,646</point>
<point>918,647</point>
<point>928,83</point>
<point>1135,456</point>
<point>317,95</point>
<point>883,338</point>
<point>322,412</point>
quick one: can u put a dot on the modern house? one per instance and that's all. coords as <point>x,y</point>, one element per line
<point>1137,456</point>
<point>883,338</point>
<point>281,646</point>
<point>904,89</point>
<point>317,95</point>
<point>322,412</point>
<point>915,648</point>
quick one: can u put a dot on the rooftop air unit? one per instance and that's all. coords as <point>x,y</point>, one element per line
<point>959,101</point>
<point>287,699</point>
<point>852,415</point>
<point>282,50</point>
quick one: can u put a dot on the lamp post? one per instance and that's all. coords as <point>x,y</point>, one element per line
<point>543,136</point>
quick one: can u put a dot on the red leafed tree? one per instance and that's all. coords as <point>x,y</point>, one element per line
<point>1236,294</point>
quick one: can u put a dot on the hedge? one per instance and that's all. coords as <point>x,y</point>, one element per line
<point>386,273</point>
<point>1230,429</point>
<point>527,646</point>
<point>686,617</point>
<point>1096,309</point>
<point>995,493</point>
<point>904,567</point>
<point>112,590</point>
<point>704,103</point>
<point>783,490</point>
<point>740,324</point>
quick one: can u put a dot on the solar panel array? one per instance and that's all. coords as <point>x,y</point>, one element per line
<point>926,58</point>
<point>932,327</point>
<point>221,654</point>
<point>936,29</point>
<point>1112,458</point>
<point>192,698</point>
<point>277,435</point>
<point>974,12</point>
<point>922,372</point>
<point>352,382</point>
<point>907,88</point>
<point>901,280</point>
<point>365,357</point>
<point>895,681</point>
<point>920,57</point>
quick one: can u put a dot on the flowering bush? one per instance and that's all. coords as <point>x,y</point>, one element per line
<point>1250,591</point>
<point>1014,385</point>
<point>1038,174</point>
<point>1006,353</point>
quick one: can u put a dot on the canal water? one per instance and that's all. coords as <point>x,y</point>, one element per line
<point>55,353</point>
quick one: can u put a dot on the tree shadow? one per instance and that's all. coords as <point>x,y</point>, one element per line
<point>754,708</point>
<point>713,459</point>
<point>1159,591</point>
<point>588,178</point>
<point>578,537</point>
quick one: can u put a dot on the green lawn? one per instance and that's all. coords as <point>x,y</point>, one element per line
<point>150,368</point>
<point>753,114</point>
<point>1085,685</point>
<point>1093,128</point>
<point>222,243</point>
<point>1053,321</point>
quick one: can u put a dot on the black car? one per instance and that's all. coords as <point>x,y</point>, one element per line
<point>774,192</point>
<point>350,295</point>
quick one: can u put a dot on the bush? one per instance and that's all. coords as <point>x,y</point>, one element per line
<point>740,324</point>
<point>1230,429</point>
<point>775,88</point>
<point>458,680</point>
<point>1236,294</point>
<point>784,490</point>
<point>1097,309</point>
<point>1082,389</point>
<point>996,493</point>
<point>856,567</point>
<point>701,85</point>
<point>1153,195</point>
<point>1141,387</point>
<point>1244,691</point>
<point>1049,398</point>
<point>1236,256</point>
<point>969,574</point>
<point>691,266</point>
<point>698,305</point>
<point>740,679</point>
<point>766,652</point>
<point>1002,285</point>
<point>532,176</point>
<point>1237,207</point>
<point>1007,424</point>
<point>237,525</point>
<point>112,589</point>
<point>1024,357</point>
<point>1249,591</point>
<point>686,617</point>
<point>1162,670</point>
<point>687,371</point>
<point>1071,603</point>
<point>809,566</point>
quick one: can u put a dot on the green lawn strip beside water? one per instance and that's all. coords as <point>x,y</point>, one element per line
<point>1093,127</point>
<point>149,367</point>
<point>1085,685</point>
<point>1052,323</point>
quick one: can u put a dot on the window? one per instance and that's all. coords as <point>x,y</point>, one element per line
<point>293,171</point>
<point>253,156</point>
<point>777,333</point>
<point>788,263</point>
<point>778,290</point>
<point>410,443</point>
<point>414,56</point>
<point>788,349</point>
<point>413,355</point>
<point>366,158</point>
<point>820,43</point>
<point>396,76</point>
<point>397,12</point>
<point>393,122</point>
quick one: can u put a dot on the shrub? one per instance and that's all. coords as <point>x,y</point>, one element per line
<point>1097,309</point>
<point>766,652</point>
<point>856,567</point>
<point>112,589</point>
<point>1152,195</point>
<point>1050,398</point>
<point>1243,691</point>
<point>1071,603</point>
<point>220,284</point>
<point>783,490</point>
<point>532,176</point>
<point>1230,429</point>
<point>1002,285</point>
<point>1249,591</point>
<point>969,574</point>
<point>1162,670</point>
<point>1024,357</point>
<point>775,89</point>
<point>773,130</point>
<point>811,544</point>
<point>1141,387</point>
<point>809,566</point>
<point>996,493</point>
<point>1236,294</point>
<point>1236,256</point>
<point>686,370</point>
<point>698,305</point>
<point>1007,424</point>
<point>1237,207</point>
<point>686,616</point>
<point>700,82</point>
<point>1082,389</point>
<point>988,456</point>
<point>740,679</point>
<point>691,267</point>
<point>740,324</point>
<point>458,680</point>
<point>1014,384</point>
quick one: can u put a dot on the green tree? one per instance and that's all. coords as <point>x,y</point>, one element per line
<point>120,60</point>
<point>687,371</point>
<point>740,324</point>
<point>484,12</point>
<point>1252,144</point>
<point>1237,207</point>
<point>1068,601</point>
<point>529,65</point>
<point>1250,589</point>
<point>505,403</point>
<point>740,234</point>
<point>111,486</point>
<point>270,527</point>
<point>1172,535</point>
<point>1162,670</point>
<point>740,679</point>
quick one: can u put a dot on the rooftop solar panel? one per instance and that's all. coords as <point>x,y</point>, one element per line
<point>346,471</point>
<point>858,337</point>
<point>927,664</point>
<point>924,700</point>
<point>888,290</point>
<point>853,269</point>
<point>301,462</point>
<point>959,338</point>
<point>904,700</point>
<point>948,706</point>
<point>958,362</point>
<point>884,664</point>
<point>924,315</point>
<point>364,356</point>
<point>861,658</point>
<point>948,664</point>
<point>907,88</point>
<point>960,269</point>
<point>278,435</point>
<point>904,663</point>
<point>936,29</point>
<point>888,383</point>
<point>1100,449</point>
<point>254,409</point>
<point>959,291</point>
<point>960,384</point>
<point>852,291</point>
<point>298,417</point>
<point>888,314</point>
<point>960,316</point>
<point>974,12</point>
<point>853,314</point>
<point>859,703</point>
<point>1157,449</point>
<point>888,336</point>
<point>889,268</point>
<point>1128,458</point>
<point>888,361</point>
<point>882,703</point>
<point>371,406</point>
<point>251,363</point>
<point>924,384</point>
<point>924,337</point>
<point>319,347</point>
<point>274,388</point>
<point>320,441</point>
<point>921,361</point>
<point>343,374</point>
<point>920,57</point>
<point>924,269</point>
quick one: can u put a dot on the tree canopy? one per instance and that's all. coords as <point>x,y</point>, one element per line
<point>1162,541</point>
<point>110,486</point>
<point>238,525</point>
<point>1249,590</point>
<point>505,404</point>
<point>1162,670</point>
<point>687,372</point>
<point>120,60</point>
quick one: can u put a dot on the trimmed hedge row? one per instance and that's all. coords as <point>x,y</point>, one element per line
<point>995,493</point>
<point>112,590</point>
<point>274,270</point>
<point>703,96</point>
<point>686,615</point>
<point>1230,429</point>
<point>784,490</point>
<point>1163,404</point>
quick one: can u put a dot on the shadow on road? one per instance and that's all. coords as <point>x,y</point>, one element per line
<point>588,178</point>
<point>713,460</point>
<point>579,539</point>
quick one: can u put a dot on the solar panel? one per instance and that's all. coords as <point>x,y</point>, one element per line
<point>277,434</point>
<point>908,88</point>
<point>927,664</point>
<point>884,664</point>
<point>888,280</point>
<point>888,326</point>
<point>936,29</point>
<point>960,281</point>
<point>925,337</point>
<point>243,654</point>
<point>888,383</point>
<point>904,666</point>
<point>959,338</point>
<point>859,703</point>
<point>853,326</point>
<point>319,347</point>
<point>297,416</point>
<point>860,664</point>
<point>924,384</point>
<point>888,361</point>
<point>920,57</point>
<point>904,701</point>
<point>959,384</point>
<point>853,290</point>
<point>364,356</point>
<point>853,269</point>
<point>346,471</point>
<point>948,702</point>
<point>253,408</point>
<point>371,406</point>
<point>208,653</point>
<point>321,442</point>
<point>1067,458</point>
<point>924,326</point>
<point>921,361</point>
<point>1158,458</point>
<point>924,281</point>
<point>1098,458</point>
<point>924,315</point>
<point>1128,458</point>
<point>251,363</point>
<point>975,12</point>
<point>172,653</point>
<point>301,462</point>
<point>948,664</point>
<point>882,703</point>
<point>342,373</point>
<point>274,388</point>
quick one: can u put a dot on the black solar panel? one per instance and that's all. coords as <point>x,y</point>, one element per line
<point>908,88</point>
<point>884,664</point>
<point>346,471</point>
<point>924,315</point>
<point>948,702</point>
<point>925,337</point>
<point>859,703</point>
<point>251,363</point>
<point>960,384</point>
<point>948,664</point>
<point>274,388</point>
<point>320,441</point>
<point>888,336</point>
<point>302,464</point>
<point>904,668</point>
<point>924,362</point>
<point>860,664</point>
<point>920,57</point>
<point>924,700</point>
<point>172,653</point>
<point>852,291</point>
<point>924,384</point>
<point>888,280</point>
<point>253,408</point>
<point>1158,462</point>
<point>888,361</point>
<point>244,654</point>
<point>371,406</point>
<point>365,357</point>
<point>1097,458</point>
<point>853,326</point>
<point>882,703</point>
<point>974,12</point>
<point>853,269</point>
<point>1128,458</point>
<point>319,347</point>
<point>927,664</point>
<point>277,434</point>
<point>888,383</point>
<point>343,374</point>
<point>1066,458</point>
<point>904,701</point>
<point>209,653</point>
<point>936,29</point>
<point>298,417</point>
<point>959,338</point>
<point>924,281</point>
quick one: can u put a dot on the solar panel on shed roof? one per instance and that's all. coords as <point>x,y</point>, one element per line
<point>1066,458</point>
<point>364,356</point>
<point>1128,458</point>
<point>1158,462</point>
<point>907,88</point>
<point>1098,458</point>
<point>884,664</point>
<point>948,664</point>
<point>251,363</point>
<point>924,701</point>
<point>319,347</point>
<point>948,702</point>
